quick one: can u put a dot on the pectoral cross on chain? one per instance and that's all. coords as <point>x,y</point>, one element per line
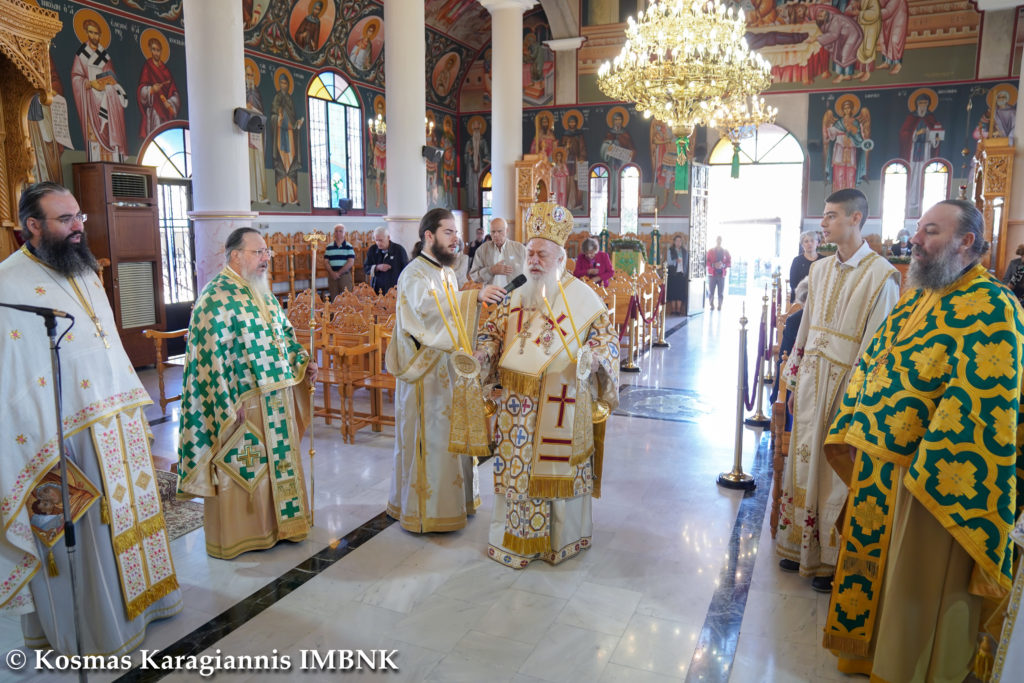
<point>522,333</point>
<point>100,332</point>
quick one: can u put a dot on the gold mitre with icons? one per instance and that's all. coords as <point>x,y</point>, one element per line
<point>548,221</point>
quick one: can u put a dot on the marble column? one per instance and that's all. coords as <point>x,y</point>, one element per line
<point>565,67</point>
<point>506,101</point>
<point>405,47</point>
<point>216,85</point>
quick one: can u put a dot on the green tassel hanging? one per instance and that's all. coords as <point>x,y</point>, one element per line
<point>603,240</point>
<point>735,160</point>
<point>683,164</point>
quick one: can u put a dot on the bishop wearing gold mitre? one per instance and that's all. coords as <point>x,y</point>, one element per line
<point>551,346</point>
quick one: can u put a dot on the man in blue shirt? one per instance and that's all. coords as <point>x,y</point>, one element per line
<point>339,257</point>
<point>384,261</point>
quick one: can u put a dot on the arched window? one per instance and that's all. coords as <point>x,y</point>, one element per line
<point>598,199</point>
<point>629,199</point>
<point>335,142</point>
<point>936,184</point>
<point>171,153</point>
<point>894,199</point>
<point>486,203</point>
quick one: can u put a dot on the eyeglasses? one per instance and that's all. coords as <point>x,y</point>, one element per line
<point>69,218</point>
<point>260,253</point>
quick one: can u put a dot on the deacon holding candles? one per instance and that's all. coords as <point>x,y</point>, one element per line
<point>555,393</point>
<point>432,488</point>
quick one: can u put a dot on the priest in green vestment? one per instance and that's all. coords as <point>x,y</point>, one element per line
<point>244,407</point>
<point>928,438</point>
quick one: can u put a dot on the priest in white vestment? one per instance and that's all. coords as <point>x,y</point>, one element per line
<point>549,450</point>
<point>850,293</point>
<point>433,488</point>
<point>124,574</point>
<point>1009,662</point>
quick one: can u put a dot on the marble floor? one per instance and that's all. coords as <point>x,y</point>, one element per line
<point>681,581</point>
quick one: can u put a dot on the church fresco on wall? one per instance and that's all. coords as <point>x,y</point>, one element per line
<point>538,61</point>
<point>446,63</point>
<point>852,136</point>
<point>538,69</point>
<point>883,42</point>
<point>442,170</point>
<point>464,20</point>
<point>315,34</point>
<point>117,82</point>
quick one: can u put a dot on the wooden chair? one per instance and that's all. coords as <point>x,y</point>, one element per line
<point>376,383</point>
<point>621,289</point>
<point>159,339</point>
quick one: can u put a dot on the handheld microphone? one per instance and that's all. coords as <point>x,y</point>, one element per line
<point>516,283</point>
<point>39,310</point>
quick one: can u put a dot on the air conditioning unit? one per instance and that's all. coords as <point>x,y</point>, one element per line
<point>124,227</point>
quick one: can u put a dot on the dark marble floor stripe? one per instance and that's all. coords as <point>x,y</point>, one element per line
<point>238,614</point>
<point>675,328</point>
<point>249,607</point>
<point>716,647</point>
<point>161,420</point>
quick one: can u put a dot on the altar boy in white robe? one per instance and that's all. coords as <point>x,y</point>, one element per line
<point>432,488</point>
<point>549,449</point>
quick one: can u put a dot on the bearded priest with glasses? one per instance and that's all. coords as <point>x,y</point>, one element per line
<point>244,407</point>
<point>125,578</point>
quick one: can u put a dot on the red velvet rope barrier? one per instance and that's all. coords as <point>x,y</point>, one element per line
<point>749,403</point>
<point>630,313</point>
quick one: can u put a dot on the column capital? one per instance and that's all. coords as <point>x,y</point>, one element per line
<point>564,44</point>
<point>494,5</point>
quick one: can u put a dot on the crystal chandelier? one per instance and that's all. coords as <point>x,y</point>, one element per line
<point>684,60</point>
<point>739,119</point>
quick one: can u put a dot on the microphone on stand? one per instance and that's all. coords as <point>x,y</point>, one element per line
<point>39,310</point>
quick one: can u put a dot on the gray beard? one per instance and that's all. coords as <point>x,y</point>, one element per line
<point>260,284</point>
<point>547,283</point>
<point>936,275</point>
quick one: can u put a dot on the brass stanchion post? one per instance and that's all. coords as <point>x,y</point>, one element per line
<point>660,342</point>
<point>759,419</point>
<point>737,478</point>
<point>769,365</point>
<point>633,324</point>
<point>314,238</point>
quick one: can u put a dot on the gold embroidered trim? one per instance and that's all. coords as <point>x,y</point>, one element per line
<point>551,487</point>
<point>526,546</point>
<point>151,595</point>
<point>578,459</point>
<point>519,383</point>
<point>597,468</point>
<point>846,645</point>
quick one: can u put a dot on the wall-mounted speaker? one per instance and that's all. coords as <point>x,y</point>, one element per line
<point>250,120</point>
<point>432,154</point>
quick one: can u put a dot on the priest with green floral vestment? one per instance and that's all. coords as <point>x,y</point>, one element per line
<point>928,439</point>
<point>245,405</point>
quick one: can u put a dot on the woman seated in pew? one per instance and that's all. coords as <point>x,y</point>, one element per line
<point>593,264</point>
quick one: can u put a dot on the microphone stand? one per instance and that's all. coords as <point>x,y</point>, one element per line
<point>50,320</point>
